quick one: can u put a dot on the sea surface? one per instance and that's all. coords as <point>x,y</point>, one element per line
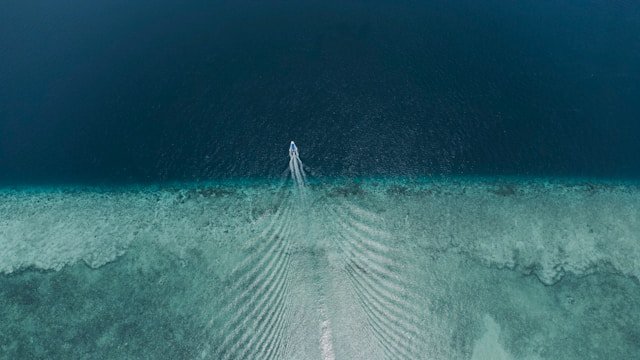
<point>149,91</point>
<point>466,183</point>
<point>368,269</point>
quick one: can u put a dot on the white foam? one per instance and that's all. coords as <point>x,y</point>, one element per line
<point>326,342</point>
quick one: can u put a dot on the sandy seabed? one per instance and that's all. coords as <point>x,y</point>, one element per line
<point>368,269</point>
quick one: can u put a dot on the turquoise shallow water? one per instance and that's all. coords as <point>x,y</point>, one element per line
<point>368,269</point>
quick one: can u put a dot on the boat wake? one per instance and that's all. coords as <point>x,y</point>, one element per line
<point>295,166</point>
<point>253,322</point>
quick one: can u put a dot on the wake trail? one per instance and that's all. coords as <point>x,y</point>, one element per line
<point>300,179</point>
<point>295,166</point>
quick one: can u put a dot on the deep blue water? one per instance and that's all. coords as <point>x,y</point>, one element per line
<point>152,91</point>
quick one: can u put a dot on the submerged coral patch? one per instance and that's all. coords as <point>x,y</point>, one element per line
<point>373,269</point>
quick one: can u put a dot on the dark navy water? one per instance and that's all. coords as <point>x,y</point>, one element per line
<point>152,91</point>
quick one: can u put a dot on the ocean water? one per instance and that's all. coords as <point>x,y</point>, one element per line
<point>466,183</point>
<point>466,269</point>
<point>199,90</point>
